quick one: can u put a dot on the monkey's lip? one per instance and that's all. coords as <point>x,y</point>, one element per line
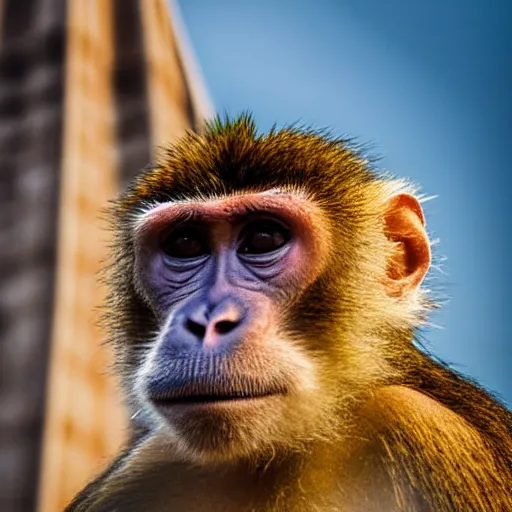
<point>198,399</point>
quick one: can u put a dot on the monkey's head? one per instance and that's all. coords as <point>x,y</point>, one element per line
<point>256,283</point>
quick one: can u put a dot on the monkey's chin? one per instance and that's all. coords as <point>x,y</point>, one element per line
<point>225,430</point>
<point>203,409</point>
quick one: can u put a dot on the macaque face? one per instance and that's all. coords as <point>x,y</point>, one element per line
<point>223,374</point>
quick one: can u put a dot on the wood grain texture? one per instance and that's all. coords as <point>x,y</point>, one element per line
<point>85,421</point>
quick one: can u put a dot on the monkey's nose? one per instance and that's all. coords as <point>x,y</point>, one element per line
<point>197,321</point>
<point>213,327</point>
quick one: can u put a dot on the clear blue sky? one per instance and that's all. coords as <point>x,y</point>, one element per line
<point>429,85</point>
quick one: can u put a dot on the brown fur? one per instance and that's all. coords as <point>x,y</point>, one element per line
<point>391,430</point>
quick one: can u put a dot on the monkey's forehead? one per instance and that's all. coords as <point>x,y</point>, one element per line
<point>234,158</point>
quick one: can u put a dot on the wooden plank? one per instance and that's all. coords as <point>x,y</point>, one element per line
<point>200,98</point>
<point>172,104</point>
<point>84,422</point>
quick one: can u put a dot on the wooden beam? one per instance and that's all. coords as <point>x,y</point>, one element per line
<point>84,419</point>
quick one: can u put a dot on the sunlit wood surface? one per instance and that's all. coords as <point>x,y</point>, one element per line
<point>85,421</point>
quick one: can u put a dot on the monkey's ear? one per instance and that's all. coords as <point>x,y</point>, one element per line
<point>405,225</point>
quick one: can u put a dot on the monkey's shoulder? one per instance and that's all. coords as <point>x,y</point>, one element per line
<point>411,413</point>
<point>426,445</point>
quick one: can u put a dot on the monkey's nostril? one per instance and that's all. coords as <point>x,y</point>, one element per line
<point>225,326</point>
<point>196,329</point>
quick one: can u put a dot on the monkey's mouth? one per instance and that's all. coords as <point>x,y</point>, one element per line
<point>208,398</point>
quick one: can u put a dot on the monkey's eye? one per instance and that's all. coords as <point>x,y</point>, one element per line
<point>184,243</point>
<point>262,237</point>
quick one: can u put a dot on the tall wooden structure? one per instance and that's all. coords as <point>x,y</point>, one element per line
<point>87,89</point>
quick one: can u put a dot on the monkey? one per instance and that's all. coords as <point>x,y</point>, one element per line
<point>266,295</point>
